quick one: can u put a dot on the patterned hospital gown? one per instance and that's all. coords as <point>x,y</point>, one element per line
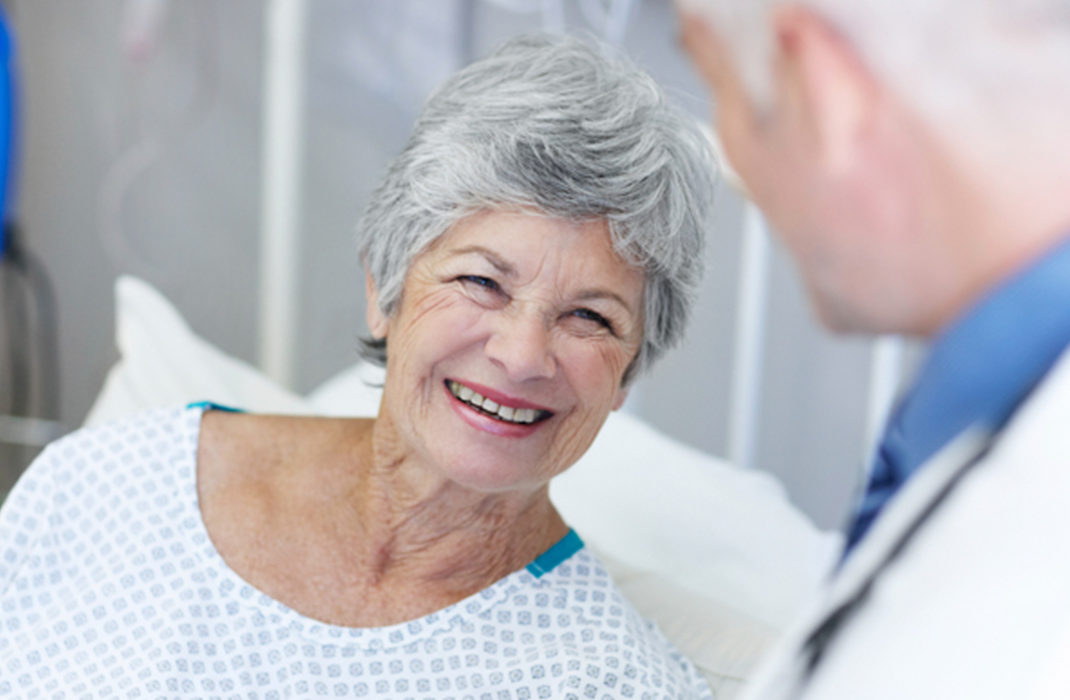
<point>111,588</point>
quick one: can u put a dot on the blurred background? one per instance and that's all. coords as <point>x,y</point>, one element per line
<point>140,149</point>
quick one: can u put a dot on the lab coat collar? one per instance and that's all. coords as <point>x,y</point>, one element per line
<point>779,677</point>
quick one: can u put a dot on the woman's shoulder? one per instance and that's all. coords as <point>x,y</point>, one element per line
<point>139,444</point>
<point>111,458</point>
<point>90,474</point>
<point>148,424</point>
<point>145,436</point>
<point>145,446</point>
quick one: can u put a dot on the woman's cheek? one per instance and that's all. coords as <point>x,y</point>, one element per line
<point>614,357</point>
<point>596,369</point>
<point>443,300</point>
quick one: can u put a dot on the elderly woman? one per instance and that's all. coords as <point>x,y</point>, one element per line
<point>533,249</point>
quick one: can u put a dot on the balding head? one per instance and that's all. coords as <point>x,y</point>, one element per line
<point>985,65</point>
<point>911,154</point>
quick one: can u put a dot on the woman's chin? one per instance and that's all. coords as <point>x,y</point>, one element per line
<point>491,456</point>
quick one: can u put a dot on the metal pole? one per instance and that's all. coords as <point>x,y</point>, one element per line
<point>282,152</point>
<point>749,340</point>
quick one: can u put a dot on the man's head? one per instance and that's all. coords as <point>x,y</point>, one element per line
<point>910,154</point>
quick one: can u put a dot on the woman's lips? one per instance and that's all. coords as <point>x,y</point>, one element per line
<point>504,408</point>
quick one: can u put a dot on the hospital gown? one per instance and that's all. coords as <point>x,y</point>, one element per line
<point>110,588</point>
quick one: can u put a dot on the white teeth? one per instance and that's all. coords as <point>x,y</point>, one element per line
<point>507,413</point>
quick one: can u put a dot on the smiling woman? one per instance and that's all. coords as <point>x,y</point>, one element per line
<point>510,313</point>
<point>534,247</point>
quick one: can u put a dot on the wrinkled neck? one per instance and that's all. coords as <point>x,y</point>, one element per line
<point>418,523</point>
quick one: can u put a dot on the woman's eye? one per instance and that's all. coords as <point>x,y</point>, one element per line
<point>484,282</point>
<point>483,290</point>
<point>594,316</point>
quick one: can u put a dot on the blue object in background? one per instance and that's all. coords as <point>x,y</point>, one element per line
<point>27,301</point>
<point>7,130</point>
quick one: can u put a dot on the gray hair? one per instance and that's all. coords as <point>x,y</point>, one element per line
<point>995,64</point>
<point>555,125</point>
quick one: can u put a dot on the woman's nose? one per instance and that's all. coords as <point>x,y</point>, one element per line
<point>520,344</point>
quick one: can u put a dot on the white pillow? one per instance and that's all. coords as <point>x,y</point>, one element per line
<point>715,554</point>
<point>164,363</point>
<point>661,506</point>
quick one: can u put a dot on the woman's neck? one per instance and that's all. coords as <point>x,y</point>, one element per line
<point>419,525</point>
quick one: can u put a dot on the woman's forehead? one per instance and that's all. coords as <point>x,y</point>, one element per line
<point>519,244</point>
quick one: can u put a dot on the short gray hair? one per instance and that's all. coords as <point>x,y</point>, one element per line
<point>555,125</point>
<point>991,63</point>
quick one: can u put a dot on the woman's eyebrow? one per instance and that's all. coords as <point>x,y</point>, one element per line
<point>490,256</point>
<point>597,294</point>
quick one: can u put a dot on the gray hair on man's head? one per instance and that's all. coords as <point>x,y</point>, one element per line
<point>990,64</point>
<point>556,126</point>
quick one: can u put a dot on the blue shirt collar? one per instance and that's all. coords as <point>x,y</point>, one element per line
<point>986,362</point>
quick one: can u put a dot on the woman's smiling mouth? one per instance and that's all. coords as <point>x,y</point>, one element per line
<point>489,407</point>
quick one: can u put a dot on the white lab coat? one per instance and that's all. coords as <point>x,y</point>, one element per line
<point>978,604</point>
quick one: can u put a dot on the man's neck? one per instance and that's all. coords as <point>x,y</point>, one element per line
<point>993,218</point>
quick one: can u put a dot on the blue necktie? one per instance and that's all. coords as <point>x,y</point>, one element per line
<point>887,476</point>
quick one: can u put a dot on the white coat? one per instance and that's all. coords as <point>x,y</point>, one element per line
<point>977,605</point>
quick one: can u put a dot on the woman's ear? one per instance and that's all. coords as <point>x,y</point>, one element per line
<point>622,396</point>
<point>378,323</point>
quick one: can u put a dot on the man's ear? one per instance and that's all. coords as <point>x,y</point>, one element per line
<point>833,90</point>
<point>378,323</point>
